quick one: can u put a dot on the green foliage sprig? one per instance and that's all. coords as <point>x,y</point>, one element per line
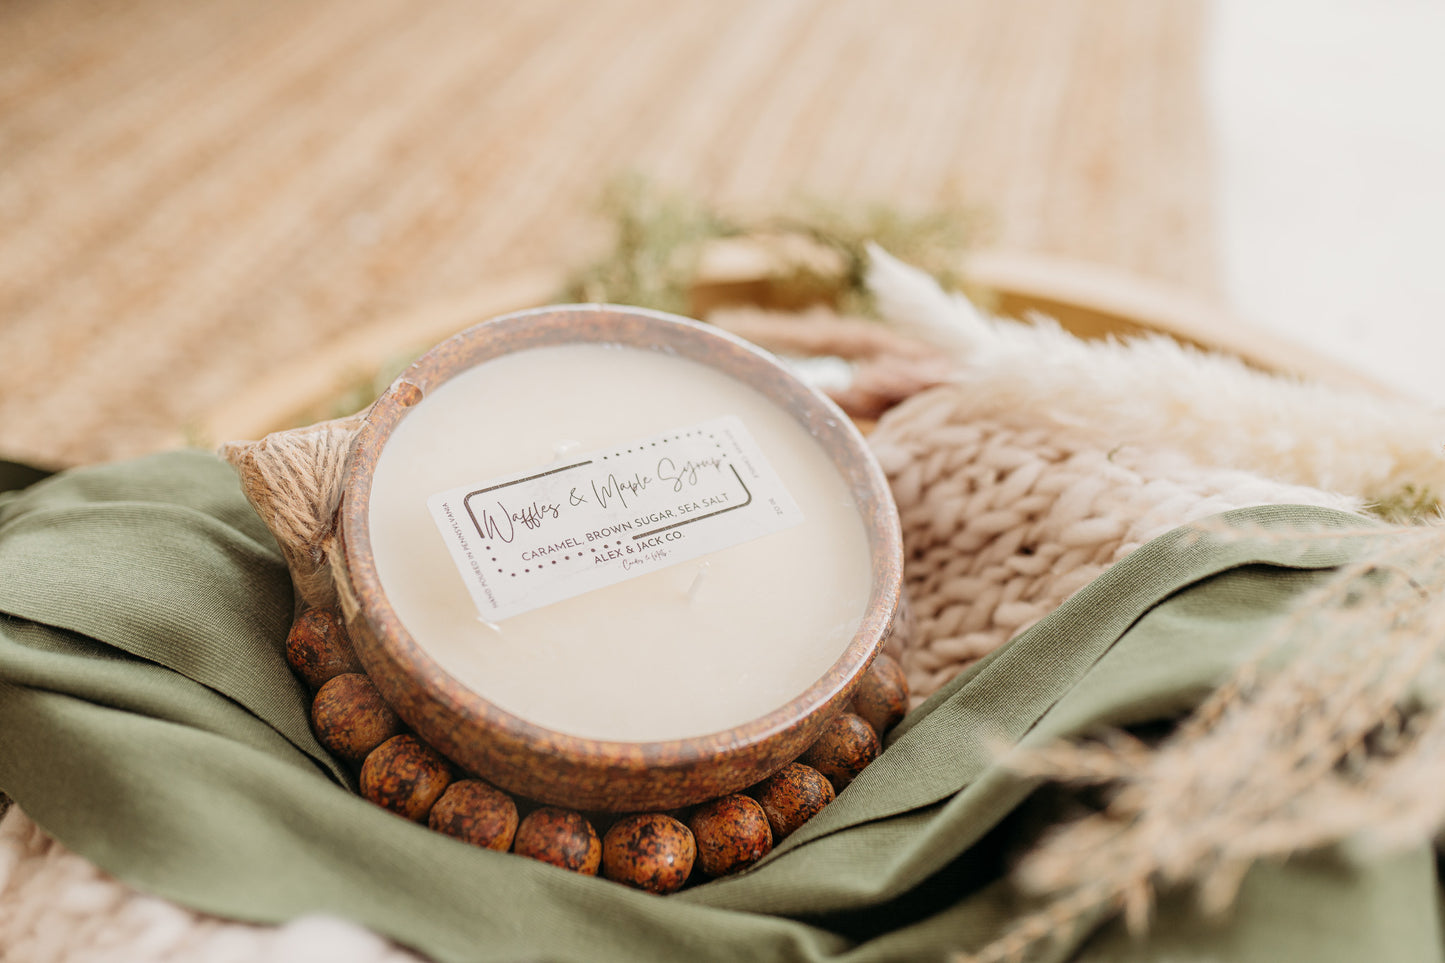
<point>660,236</point>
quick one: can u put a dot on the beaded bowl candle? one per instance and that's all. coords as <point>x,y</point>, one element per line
<point>614,560</point>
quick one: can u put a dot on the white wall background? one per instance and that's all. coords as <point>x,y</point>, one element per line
<point>1330,116</point>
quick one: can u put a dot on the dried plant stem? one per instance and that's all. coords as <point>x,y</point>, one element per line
<point>1327,734</point>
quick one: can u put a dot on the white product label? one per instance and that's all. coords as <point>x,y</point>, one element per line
<point>530,539</point>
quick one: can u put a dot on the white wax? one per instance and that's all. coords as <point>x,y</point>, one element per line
<point>669,654</point>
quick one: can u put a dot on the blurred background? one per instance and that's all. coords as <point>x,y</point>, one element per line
<point>208,207</point>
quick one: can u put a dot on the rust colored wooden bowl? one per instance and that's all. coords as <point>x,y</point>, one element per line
<point>586,773</point>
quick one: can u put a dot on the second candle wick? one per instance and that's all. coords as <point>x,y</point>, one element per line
<point>697,581</point>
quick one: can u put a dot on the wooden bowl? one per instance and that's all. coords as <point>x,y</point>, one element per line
<point>587,773</point>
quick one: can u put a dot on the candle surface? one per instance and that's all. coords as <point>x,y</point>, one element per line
<point>687,650</point>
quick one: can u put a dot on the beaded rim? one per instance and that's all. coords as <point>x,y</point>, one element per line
<point>569,770</point>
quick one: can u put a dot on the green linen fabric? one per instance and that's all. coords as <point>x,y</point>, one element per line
<point>148,721</point>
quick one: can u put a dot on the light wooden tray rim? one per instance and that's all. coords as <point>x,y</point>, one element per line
<point>1089,300</point>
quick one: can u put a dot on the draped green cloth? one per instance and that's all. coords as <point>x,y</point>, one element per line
<point>148,720</point>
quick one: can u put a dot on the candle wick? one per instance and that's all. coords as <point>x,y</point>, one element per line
<point>697,580</point>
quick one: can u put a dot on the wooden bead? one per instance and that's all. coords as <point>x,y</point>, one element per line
<point>476,813</point>
<point>846,746</point>
<point>792,796</point>
<point>351,718</point>
<point>405,775</point>
<point>882,696</point>
<point>318,648</point>
<point>648,851</point>
<point>731,833</point>
<point>560,837</point>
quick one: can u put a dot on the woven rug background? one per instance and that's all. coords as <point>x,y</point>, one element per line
<point>191,191</point>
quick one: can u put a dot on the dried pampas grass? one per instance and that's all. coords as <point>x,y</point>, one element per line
<point>1154,393</point>
<point>1333,732</point>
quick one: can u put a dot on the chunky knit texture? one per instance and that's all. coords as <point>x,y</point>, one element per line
<point>1001,523</point>
<point>56,906</point>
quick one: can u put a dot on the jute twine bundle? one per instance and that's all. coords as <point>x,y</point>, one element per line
<point>294,479</point>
